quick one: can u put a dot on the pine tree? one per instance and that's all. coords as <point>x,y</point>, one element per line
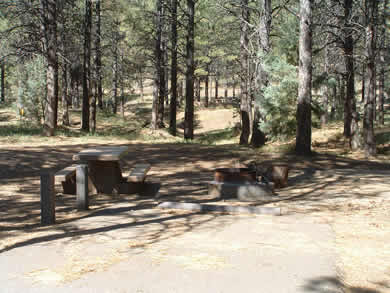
<point>303,138</point>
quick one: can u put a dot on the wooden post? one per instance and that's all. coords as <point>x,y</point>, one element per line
<point>82,186</point>
<point>48,205</point>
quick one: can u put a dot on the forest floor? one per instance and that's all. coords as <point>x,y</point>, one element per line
<point>335,186</point>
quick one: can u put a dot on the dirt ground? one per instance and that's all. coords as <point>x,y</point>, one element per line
<point>346,190</point>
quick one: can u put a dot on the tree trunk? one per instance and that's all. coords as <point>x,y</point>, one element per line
<point>216,86</point>
<point>94,90</point>
<point>234,88</point>
<point>245,103</point>
<point>351,119</point>
<point>2,82</point>
<point>303,139</point>
<point>157,92</point>
<point>206,90</point>
<point>162,90</point>
<point>122,87</point>
<point>173,104</point>
<point>87,65</point>
<point>115,67</point>
<point>141,84</point>
<point>190,62</point>
<point>98,57</point>
<point>382,67</point>
<point>65,96</point>
<point>261,79</point>
<point>369,107</point>
<point>363,82</point>
<point>352,115</point>
<point>49,20</point>
<point>65,80</point>
<point>198,89</point>
<point>325,90</point>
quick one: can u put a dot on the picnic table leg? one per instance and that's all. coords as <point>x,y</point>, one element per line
<point>106,176</point>
<point>82,187</point>
<point>48,205</point>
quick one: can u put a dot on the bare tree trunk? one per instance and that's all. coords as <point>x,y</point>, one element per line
<point>173,104</point>
<point>87,65</point>
<point>382,67</point>
<point>216,86</point>
<point>115,67</point>
<point>198,89</point>
<point>234,88</point>
<point>122,87</point>
<point>245,102</point>
<point>94,89</point>
<point>325,90</point>
<point>49,15</point>
<point>141,84</point>
<point>261,78</point>
<point>206,90</point>
<point>162,90</point>
<point>157,92</point>
<point>189,109</point>
<point>65,95</point>
<point>369,107</point>
<point>65,84</point>
<point>2,96</point>
<point>98,57</point>
<point>303,139</point>
<point>351,119</point>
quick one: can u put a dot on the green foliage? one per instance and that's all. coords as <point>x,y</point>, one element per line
<point>32,89</point>
<point>278,102</point>
<point>285,39</point>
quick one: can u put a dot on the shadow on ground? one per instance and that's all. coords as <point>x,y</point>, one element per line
<point>330,285</point>
<point>182,170</point>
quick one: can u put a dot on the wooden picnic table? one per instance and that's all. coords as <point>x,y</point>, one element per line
<point>104,172</point>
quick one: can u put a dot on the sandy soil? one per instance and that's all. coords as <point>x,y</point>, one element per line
<point>350,193</point>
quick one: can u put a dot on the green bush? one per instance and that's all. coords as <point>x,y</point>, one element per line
<point>32,89</point>
<point>278,101</point>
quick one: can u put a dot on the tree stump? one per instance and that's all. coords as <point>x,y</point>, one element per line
<point>278,174</point>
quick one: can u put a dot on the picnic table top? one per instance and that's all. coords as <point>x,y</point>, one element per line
<point>105,153</point>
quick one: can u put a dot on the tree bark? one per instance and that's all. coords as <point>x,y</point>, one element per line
<point>93,105</point>
<point>162,89</point>
<point>369,107</point>
<point>325,90</point>
<point>65,95</point>
<point>190,62</point>
<point>2,82</point>
<point>87,65</point>
<point>261,79</point>
<point>303,139</point>
<point>245,103</point>
<point>382,67</point>
<point>173,103</point>
<point>98,56</point>
<point>115,67</point>
<point>158,93</point>
<point>206,90</point>
<point>216,86</point>
<point>49,21</point>
<point>198,89</point>
<point>351,118</point>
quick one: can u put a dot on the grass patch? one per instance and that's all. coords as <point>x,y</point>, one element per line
<point>20,129</point>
